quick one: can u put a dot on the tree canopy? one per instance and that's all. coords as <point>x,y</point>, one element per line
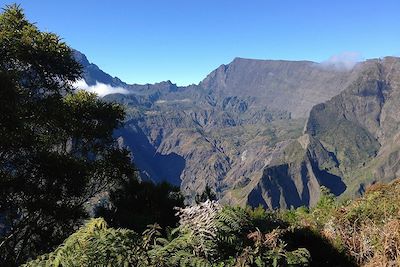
<point>57,151</point>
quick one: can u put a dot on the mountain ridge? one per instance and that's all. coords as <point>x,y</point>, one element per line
<point>244,130</point>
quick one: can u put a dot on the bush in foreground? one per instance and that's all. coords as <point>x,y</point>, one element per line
<point>363,232</point>
<point>208,235</point>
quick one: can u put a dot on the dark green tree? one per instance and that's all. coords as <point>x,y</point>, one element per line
<point>208,194</point>
<point>57,151</point>
<point>138,204</point>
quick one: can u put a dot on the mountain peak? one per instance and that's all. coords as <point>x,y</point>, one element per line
<point>80,57</point>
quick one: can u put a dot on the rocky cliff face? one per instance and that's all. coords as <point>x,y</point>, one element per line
<point>361,125</point>
<point>293,86</point>
<point>240,130</point>
<point>349,141</point>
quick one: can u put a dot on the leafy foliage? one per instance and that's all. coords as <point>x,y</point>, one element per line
<point>363,232</point>
<point>56,146</point>
<point>208,235</point>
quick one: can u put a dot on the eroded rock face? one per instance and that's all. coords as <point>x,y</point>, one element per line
<point>240,130</point>
<point>293,86</point>
<point>350,141</point>
<point>293,176</point>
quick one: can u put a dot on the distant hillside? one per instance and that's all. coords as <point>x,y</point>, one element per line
<point>292,86</point>
<point>240,130</point>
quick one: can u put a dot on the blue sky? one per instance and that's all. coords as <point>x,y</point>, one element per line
<point>146,41</point>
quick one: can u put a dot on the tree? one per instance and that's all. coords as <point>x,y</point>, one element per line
<point>56,146</point>
<point>208,194</point>
<point>136,204</point>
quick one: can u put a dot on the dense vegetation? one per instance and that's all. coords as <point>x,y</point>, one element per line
<point>208,235</point>
<point>363,232</point>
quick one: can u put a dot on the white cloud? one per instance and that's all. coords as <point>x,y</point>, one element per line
<point>100,89</point>
<point>343,61</point>
<point>172,101</point>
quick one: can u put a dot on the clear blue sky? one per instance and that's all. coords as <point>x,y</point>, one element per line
<point>144,41</point>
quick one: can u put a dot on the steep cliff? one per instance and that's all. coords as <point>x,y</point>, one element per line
<point>361,125</point>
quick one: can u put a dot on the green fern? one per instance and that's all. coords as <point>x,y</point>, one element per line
<point>209,236</point>
<point>93,245</point>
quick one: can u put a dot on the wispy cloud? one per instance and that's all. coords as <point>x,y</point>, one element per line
<point>343,61</point>
<point>100,89</point>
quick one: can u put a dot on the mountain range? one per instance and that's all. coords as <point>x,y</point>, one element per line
<point>265,132</point>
